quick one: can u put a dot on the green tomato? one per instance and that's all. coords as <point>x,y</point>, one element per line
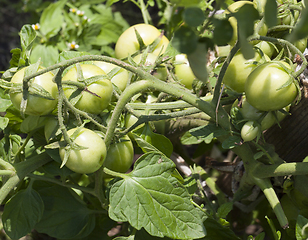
<point>127,43</point>
<point>160,71</point>
<point>98,94</point>
<point>250,131</point>
<point>120,156</point>
<point>301,44</point>
<point>183,71</point>
<point>120,79</point>
<point>239,69</point>
<point>267,48</point>
<point>86,160</point>
<point>36,105</point>
<point>263,87</point>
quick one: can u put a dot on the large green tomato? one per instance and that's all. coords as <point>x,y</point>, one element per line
<point>120,155</point>
<point>86,160</point>
<point>263,87</point>
<point>36,105</point>
<point>120,79</point>
<point>239,69</point>
<point>97,96</point>
<point>127,43</point>
<point>183,71</point>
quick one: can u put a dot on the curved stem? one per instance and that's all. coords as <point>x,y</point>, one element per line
<point>268,190</point>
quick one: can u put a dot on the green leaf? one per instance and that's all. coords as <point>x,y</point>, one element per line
<point>208,132</point>
<point>52,19</point>
<point>31,123</point>
<point>4,122</point>
<point>270,13</point>
<point>223,31</point>
<point>246,16</point>
<point>22,212</point>
<point>48,55</point>
<point>193,16</point>
<point>4,104</point>
<point>27,38</point>
<point>198,62</point>
<point>260,236</point>
<point>185,40</point>
<point>65,215</point>
<point>224,209</point>
<point>150,198</point>
<point>149,141</point>
<point>231,142</point>
<point>16,53</point>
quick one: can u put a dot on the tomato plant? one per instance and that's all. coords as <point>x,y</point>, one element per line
<point>206,163</point>
<point>91,157</point>
<point>95,96</point>
<point>128,44</point>
<point>270,87</point>
<point>36,105</point>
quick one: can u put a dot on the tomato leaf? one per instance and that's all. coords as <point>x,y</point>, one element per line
<point>48,54</point>
<point>150,198</point>
<point>149,141</point>
<point>270,13</point>
<point>198,61</point>
<point>207,133</point>
<point>185,40</point>
<point>27,38</point>
<point>223,31</point>
<point>22,212</point>
<point>193,16</point>
<point>231,142</point>
<point>65,215</point>
<point>51,19</point>
<point>31,123</point>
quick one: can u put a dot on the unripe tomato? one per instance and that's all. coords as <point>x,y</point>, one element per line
<point>86,160</point>
<point>266,47</point>
<point>161,71</point>
<point>98,94</point>
<point>262,87</point>
<point>249,131</point>
<point>285,14</point>
<point>36,105</point>
<point>239,69</point>
<point>120,79</point>
<point>127,43</point>
<point>183,71</point>
<point>120,156</point>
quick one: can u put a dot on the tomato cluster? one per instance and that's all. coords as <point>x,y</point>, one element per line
<point>265,82</point>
